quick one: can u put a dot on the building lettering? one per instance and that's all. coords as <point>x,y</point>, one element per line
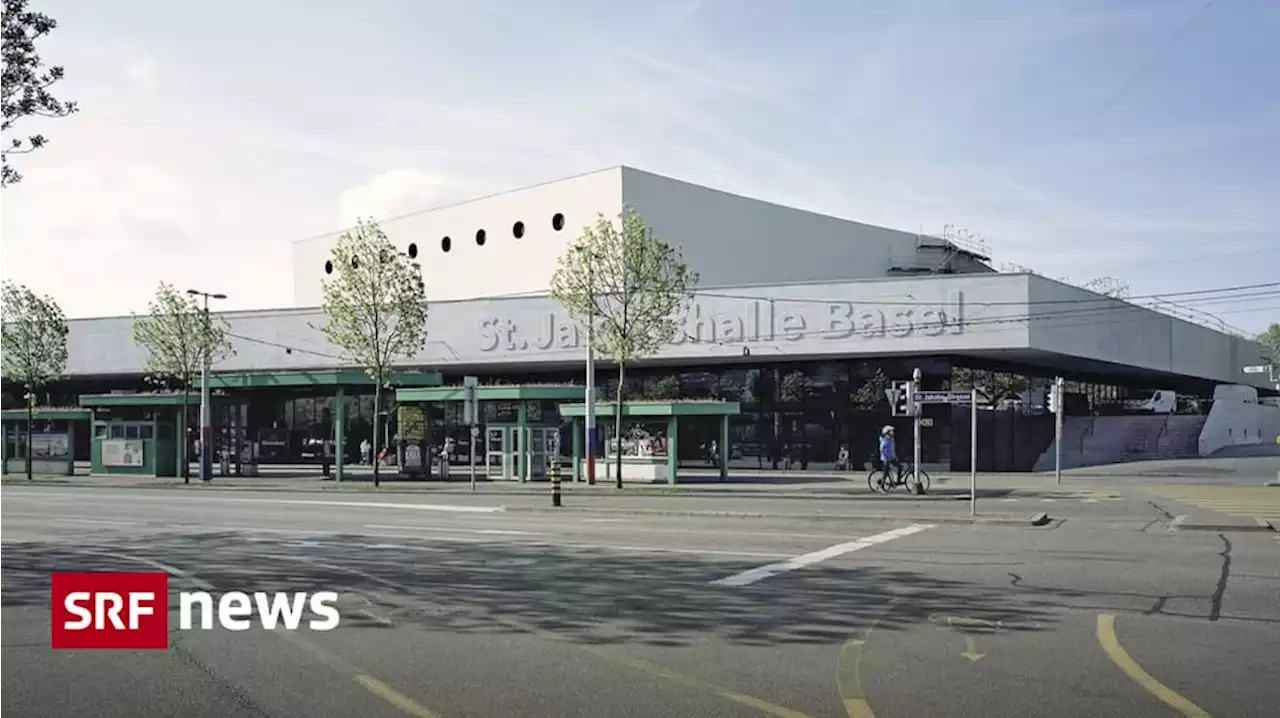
<point>757,322</point>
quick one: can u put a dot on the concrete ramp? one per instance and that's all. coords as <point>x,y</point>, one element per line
<point>1105,440</point>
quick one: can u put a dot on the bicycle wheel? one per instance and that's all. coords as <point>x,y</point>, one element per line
<point>874,483</point>
<point>916,479</point>
<point>924,480</point>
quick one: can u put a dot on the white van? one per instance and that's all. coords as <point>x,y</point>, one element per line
<point>1161,401</point>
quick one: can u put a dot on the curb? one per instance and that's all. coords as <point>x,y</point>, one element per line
<point>392,488</point>
<point>1038,520</point>
<point>1260,525</point>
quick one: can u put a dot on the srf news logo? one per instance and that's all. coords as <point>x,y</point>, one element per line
<point>131,610</point>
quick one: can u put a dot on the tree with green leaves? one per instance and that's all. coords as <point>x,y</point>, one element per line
<point>872,393</point>
<point>177,334</point>
<point>27,82</point>
<point>633,288</point>
<point>375,309</point>
<point>995,385</point>
<point>33,351</point>
<point>1270,341</point>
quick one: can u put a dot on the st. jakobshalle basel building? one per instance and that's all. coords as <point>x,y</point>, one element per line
<point>800,318</point>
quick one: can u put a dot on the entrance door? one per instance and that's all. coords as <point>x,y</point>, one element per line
<point>515,457</point>
<point>495,452</point>
<point>538,454</point>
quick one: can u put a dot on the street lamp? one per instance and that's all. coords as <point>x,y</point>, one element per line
<point>206,412</point>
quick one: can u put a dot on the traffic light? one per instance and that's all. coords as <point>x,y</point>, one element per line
<point>1055,396</point>
<point>900,398</point>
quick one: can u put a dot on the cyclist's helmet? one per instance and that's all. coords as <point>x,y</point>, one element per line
<point>886,431</point>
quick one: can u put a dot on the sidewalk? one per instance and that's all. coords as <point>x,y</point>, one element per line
<point>813,487</point>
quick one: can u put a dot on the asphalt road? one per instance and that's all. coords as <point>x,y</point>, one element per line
<point>482,612</point>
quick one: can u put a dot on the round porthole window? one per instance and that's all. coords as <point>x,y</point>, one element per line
<point>446,244</point>
<point>328,267</point>
<point>518,229</point>
<point>557,221</point>
<point>480,237</point>
<point>413,250</point>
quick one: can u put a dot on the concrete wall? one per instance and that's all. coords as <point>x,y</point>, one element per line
<point>907,316</point>
<point>1076,322</point>
<point>981,314</point>
<point>730,239</point>
<point>505,264</point>
<point>1237,419</point>
<point>727,239</point>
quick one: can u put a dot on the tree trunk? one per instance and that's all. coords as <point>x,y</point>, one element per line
<point>186,432</point>
<point>377,414</point>
<point>617,422</point>
<point>31,410</point>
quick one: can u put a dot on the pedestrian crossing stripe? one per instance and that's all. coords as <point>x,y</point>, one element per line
<point>1248,501</point>
<point>1088,495</point>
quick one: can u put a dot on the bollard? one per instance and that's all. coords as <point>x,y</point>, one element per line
<point>555,483</point>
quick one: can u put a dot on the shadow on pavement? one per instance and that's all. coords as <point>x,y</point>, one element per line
<point>583,594</point>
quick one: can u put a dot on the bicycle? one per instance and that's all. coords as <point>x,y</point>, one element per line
<point>915,482</point>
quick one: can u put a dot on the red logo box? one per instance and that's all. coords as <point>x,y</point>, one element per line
<point>110,610</point>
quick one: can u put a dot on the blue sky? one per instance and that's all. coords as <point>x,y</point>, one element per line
<point>212,134</point>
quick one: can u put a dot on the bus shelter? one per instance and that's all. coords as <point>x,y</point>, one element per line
<point>650,441</point>
<point>235,426</point>
<point>138,434</point>
<point>517,431</point>
<point>55,434</point>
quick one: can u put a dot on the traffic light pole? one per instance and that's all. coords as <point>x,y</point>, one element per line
<point>915,420</point>
<point>1057,429</point>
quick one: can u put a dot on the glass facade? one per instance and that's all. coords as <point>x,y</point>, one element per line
<point>811,415</point>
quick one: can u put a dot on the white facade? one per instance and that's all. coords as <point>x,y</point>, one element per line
<point>999,316</point>
<point>727,239</point>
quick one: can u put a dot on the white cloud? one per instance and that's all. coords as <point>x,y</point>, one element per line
<point>394,193</point>
<point>883,122</point>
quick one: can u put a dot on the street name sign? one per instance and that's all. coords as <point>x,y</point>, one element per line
<point>943,397</point>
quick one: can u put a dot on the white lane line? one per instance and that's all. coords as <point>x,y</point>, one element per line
<point>604,521</point>
<point>808,559</point>
<point>205,498</point>
<point>1176,523</point>
<point>92,521</point>
<point>507,532</point>
<point>577,544</point>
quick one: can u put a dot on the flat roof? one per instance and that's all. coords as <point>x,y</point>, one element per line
<point>499,392</point>
<point>658,408</point>
<point>335,377</point>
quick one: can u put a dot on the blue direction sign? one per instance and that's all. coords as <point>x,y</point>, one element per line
<point>943,397</point>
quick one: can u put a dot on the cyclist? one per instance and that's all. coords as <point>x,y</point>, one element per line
<point>889,453</point>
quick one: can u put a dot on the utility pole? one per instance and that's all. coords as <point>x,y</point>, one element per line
<point>206,410</point>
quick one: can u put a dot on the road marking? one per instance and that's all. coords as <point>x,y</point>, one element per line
<point>205,499</point>
<point>575,544</point>
<point>656,669</point>
<point>374,617</point>
<point>849,668</point>
<point>808,559</point>
<point>507,532</point>
<point>600,651</point>
<point>98,522</point>
<point>370,683</point>
<point>1111,645</point>
<point>1177,521</point>
<point>971,649</point>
